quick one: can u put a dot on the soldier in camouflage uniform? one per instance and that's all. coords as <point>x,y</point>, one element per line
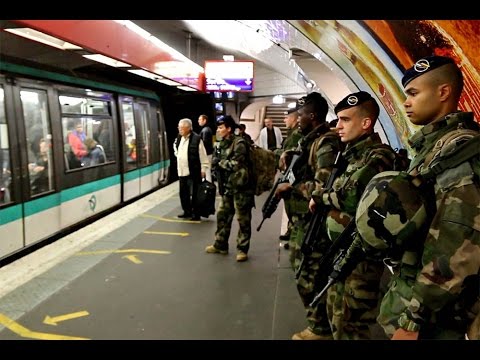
<point>352,304</point>
<point>434,293</point>
<point>312,123</point>
<point>289,143</point>
<point>230,162</point>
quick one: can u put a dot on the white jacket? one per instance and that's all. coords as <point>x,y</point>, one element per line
<point>262,138</point>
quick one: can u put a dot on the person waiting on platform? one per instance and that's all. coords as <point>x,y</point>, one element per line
<point>270,137</point>
<point>242,133</point>
<point>192,165</point>
<point>207,138</point>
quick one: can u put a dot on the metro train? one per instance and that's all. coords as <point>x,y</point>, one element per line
<point>72,149</point>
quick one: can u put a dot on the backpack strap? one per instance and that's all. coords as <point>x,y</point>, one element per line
<point>450,151</point>
<point>317,143</point>
<point>383,150</point>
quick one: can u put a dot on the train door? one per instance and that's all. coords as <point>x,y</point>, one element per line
<point>87,133</point>
<point>11,210</point>
<point>41,203</point>
<point>29,201</point>
<point>164,153</point>
<point>131,179</point>
<point>148,172</point>
<point>142,160</point>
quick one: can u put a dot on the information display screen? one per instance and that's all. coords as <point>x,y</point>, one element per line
<point>229,76</point>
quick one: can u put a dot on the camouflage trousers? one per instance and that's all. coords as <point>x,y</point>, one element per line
<point>353,305</point>
<point>290,214</point>
<point>241,204</point>
<point>295,241</point>
<point>316,316</point>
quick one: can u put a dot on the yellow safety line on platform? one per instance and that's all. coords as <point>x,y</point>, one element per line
<point>133,258</point>
<point>122,251</point>
<point>166,233</point>
<point>170,220</point>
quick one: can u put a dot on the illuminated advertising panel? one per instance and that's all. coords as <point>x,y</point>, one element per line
<point>229,76</point>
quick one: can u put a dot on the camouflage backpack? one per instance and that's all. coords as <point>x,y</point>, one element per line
<point>263,168</point>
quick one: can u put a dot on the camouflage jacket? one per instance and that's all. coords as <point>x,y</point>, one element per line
<point>230,161</point>
<point>304,171</point>
<point>366,158</point>
<point>290,142</point>
<point>321,160</point>
<point>438,286</point>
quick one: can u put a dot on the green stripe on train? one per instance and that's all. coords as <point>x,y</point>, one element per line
<point>47,202</point>
<point>32,207</point>
<point>10,214</point>
<point>135,174</point>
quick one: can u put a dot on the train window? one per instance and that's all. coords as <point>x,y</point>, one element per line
<point>130,135</point>
<point>87,142</point>
<point>104,135</point>
<point>144,135</point>
<point>39,147</point>
<point>88,131</point>
<point>5,174</point>
<point>81,105</point>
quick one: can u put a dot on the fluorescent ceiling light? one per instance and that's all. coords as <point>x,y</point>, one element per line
<point>106,60</point>
<point>135,28</point>
<point>43,38</point>
<point>292,105</point>
<point>176,55</point>
<point>146,74</point>
<point>169,82</point>
<point>278,99</point>
<point>186,88</point>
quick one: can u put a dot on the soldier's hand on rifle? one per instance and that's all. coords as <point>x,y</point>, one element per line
<point>282,188</point>
<point>402,334</point>
<point>312,205</point>
<point>281,163</point>
<point>286,158</point>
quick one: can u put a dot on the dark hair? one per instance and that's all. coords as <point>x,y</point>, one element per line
<point>316,103</point>
<point>228,121</point>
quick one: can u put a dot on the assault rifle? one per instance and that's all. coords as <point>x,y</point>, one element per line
<point>272,201</point>
<point>312,235</point>
<point>218,171</point>
<point>332,262</point>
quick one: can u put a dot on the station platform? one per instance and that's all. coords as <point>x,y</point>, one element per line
<point>141,273</point>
